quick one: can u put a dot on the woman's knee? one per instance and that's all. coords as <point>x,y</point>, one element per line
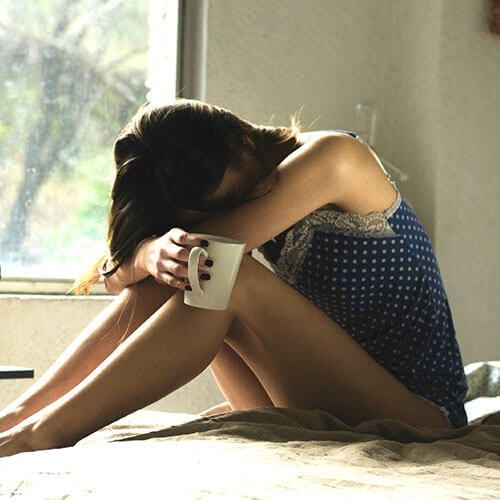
<point>138,302</point>
<point>251,277</point>
<point>150,292</point>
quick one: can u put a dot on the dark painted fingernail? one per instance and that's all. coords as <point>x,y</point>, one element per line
<point>209,263</point>
<point>188,288</point>
<point>204,243</point>
<point>205,276</point>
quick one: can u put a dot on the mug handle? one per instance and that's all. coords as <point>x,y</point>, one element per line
<point>193,264</point>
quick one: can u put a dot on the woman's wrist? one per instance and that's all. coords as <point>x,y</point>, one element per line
<point>132,271</point>
<point>142,257</point>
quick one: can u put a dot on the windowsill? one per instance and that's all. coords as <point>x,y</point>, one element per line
<point>44,286</point>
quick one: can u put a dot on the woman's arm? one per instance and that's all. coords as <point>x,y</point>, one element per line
<point>332,169</point>
<point>160,257</point>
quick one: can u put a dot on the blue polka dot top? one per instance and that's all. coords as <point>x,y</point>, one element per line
<point>378,278</point>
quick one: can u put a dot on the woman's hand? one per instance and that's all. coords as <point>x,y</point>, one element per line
<point>165,258</point>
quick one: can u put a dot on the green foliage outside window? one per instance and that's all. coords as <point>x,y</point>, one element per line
<point>71,73</point>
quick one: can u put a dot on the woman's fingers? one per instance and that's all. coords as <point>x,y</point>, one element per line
<point>182,238</point>
<point>173,267</point>
<point>174,252</point>
<point>181,242</point>
<point>173,256</point>
<point>168,279</point>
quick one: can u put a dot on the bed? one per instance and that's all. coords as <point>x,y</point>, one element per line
<point>272,453</point>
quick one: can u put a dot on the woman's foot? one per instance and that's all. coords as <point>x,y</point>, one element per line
<point>16,440</point>
<point>27,436</point>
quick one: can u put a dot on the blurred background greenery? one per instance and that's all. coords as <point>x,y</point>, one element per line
<point>72,73</point>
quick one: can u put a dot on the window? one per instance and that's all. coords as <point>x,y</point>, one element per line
<point>72,73</point>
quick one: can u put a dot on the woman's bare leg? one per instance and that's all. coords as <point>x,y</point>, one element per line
<point>95,343</point>
<point>305,361</point>
<point>169,349</point>
<point>239,384</point>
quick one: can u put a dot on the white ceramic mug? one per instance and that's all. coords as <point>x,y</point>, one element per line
<point>226,255</point>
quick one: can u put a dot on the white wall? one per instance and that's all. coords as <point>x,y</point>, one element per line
<point>409,123</point>
<point>268,59</point>
<point>468,182</point>
<point>433,71</point>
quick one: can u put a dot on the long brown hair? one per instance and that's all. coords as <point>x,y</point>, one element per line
<point>166,158</point>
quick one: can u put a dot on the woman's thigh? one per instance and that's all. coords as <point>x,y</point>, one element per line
<point>305,360</point>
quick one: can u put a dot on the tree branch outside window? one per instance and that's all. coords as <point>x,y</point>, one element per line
<point>71,73</point>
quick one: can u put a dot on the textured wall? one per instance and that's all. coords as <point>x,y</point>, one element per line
<point>467,229</point>
<point>34,332</point>
<point>410,111</point>
<point>269,58</point>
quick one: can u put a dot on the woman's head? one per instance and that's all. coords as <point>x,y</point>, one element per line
<point>173,157</point>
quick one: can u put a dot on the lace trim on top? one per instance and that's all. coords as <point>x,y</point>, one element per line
<point>327,219</point>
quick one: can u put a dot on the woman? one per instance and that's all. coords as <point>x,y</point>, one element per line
<point>354,320</point>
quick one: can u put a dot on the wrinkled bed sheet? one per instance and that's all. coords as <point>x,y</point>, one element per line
<point>266,453</point>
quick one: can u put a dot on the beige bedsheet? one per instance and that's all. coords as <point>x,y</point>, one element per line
<point>274,453</point>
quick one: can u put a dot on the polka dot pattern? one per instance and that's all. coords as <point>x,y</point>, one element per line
<point>387,293</point>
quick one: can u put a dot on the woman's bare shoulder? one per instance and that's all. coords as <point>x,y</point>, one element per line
<point>312,135</point>
<point>330,169</point>
<point>361,185</point>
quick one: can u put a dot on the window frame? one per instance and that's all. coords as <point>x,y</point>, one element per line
<point>43,286</point>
